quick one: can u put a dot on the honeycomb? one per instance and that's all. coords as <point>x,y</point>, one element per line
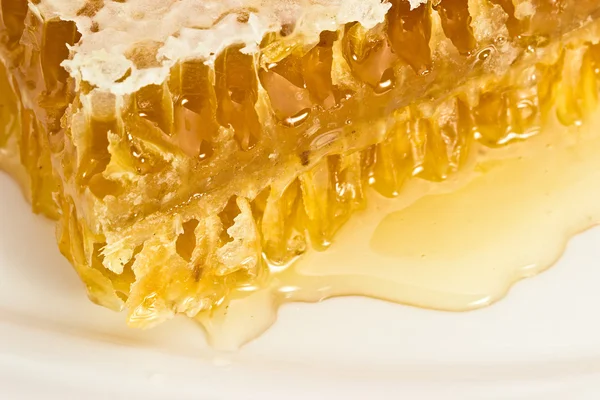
<point>176,181</point>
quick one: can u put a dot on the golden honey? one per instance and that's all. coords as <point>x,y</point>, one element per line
<point>230,174</point>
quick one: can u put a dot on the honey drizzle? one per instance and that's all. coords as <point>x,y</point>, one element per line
<point>457,245</point>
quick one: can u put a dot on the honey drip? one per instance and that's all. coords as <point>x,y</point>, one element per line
<point>458,245</point>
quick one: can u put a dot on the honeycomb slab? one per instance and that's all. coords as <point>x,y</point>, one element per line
<point>187,149</point>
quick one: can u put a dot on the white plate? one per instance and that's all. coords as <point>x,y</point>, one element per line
<point>541,342</point>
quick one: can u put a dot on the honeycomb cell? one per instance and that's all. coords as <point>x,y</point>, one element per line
<point>237,92</point>
<point>409,32</point>
<point>370,55</point>
<point>456,23</point>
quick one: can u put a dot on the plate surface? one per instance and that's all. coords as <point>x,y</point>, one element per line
<point>541,342</point>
